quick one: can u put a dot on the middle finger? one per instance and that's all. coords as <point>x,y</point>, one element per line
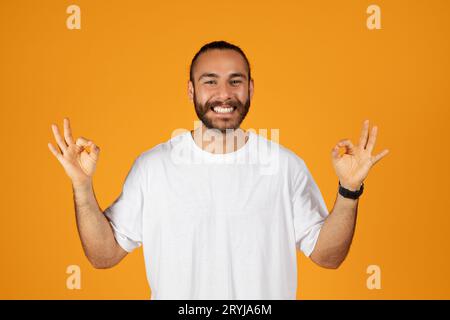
<point>68,131</point>
<point>364,134</point>
<point>59,140</point>
<point>372,138</point>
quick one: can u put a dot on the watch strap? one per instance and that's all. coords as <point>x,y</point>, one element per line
<point>350,194</point>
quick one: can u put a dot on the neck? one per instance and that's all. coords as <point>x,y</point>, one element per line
<point>219,142</point>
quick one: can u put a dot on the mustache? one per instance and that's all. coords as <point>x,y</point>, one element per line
<point>231,103</point>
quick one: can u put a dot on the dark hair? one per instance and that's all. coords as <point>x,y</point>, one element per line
<point>221,45</point>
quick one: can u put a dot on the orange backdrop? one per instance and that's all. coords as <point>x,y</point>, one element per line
<point>319,72</point>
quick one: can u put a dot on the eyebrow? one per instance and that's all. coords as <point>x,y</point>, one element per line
<point>238,74</point>
<point>215,75</point>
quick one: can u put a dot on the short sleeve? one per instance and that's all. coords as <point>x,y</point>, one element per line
<point>125,213</point>
<point>310,210</point>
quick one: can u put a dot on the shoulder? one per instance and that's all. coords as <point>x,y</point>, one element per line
<point>287,158</point>
<point>160,152</point>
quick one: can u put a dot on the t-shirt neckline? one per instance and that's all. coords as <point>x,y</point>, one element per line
<point>218,156</point>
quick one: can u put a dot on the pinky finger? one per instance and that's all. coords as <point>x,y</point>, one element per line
<point>55,152</point>
<point>378,157</point>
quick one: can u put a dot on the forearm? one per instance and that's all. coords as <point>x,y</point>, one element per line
<point>336,234</point>
<point>351,167</point>
<point>95,231</point>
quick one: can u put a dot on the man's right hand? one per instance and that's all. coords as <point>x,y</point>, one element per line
<point>79,158</point>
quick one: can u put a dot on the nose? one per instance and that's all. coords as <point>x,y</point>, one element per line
<point>224,92</point>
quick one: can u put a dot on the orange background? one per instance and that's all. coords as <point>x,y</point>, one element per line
<point>319,72</point>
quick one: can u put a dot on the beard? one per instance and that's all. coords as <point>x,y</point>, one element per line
<point>206,114</point>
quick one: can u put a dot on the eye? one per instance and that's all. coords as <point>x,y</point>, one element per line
<point>210,82</point>
<point>236,81</point>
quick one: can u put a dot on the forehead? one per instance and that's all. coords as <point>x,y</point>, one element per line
<point>222,62</point>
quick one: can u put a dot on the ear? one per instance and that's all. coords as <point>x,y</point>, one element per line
<point>191,91</point>
<point>251,88</point>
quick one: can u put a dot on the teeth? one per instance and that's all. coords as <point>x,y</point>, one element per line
<point>223,110</point>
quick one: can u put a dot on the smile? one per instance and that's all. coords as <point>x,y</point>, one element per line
<point>223,109</point>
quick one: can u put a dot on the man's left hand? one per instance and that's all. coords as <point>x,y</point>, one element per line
<point>353,166</point>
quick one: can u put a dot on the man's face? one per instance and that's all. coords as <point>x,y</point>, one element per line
<point>221,91</point>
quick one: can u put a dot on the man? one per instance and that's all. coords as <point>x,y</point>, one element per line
<point>215,224</point>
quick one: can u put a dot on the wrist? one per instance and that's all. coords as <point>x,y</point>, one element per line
<point>350,191</point>
<point>84,185</point>
<point>351,186</point>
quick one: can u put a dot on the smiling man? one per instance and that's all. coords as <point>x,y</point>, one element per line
<point>220,86</point>
<point>213,223</point>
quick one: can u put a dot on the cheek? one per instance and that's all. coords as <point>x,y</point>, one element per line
<point>200,97</point>
<point>202,100</point>
<point>242,94</point>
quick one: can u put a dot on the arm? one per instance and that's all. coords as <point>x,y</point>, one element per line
<point>336,234</point>
<point>96,234</point>
<point>352,168</point>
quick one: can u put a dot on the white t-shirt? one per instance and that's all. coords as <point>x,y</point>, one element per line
<point>219,226</point>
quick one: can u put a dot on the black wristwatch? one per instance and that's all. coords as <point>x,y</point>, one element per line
<point>350,194</point>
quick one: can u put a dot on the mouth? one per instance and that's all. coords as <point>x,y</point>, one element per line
<point>223,109</point>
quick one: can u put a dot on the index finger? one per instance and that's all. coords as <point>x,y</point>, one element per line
<point>68,131</point>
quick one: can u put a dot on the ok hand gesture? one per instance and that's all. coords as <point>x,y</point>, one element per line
<point>78,158</point>
<point>353,166</point>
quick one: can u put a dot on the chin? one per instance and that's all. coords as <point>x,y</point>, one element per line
<point>224,126</point>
